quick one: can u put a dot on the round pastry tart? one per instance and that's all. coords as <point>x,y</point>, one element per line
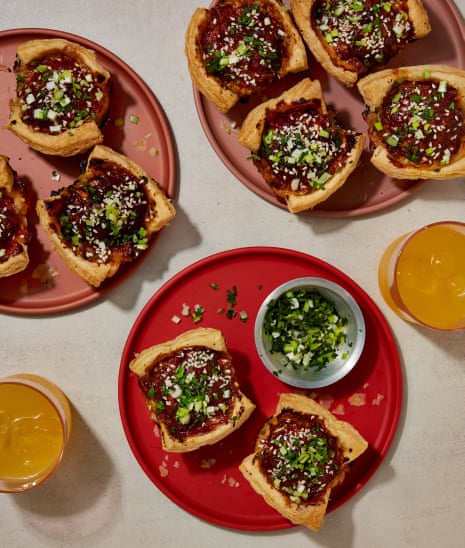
<point>301,453</point>
<point>350,38</point>
<point>416,121</point>
<point>14,234</point>
<point>191,390</point>
<point>107,217</point>
<point>237,47</point>
<point>62,97</point>
<point>300,148</point>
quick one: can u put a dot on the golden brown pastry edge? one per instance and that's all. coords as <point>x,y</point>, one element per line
<point>19,262</point>
<point>250,136</point>
<point>211,87</point>
<point>202,336</point>
<point>353,444</point>
<point>96,273</point>
<point>66,143</point>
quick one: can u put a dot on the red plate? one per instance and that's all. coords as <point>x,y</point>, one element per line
<point>367,190</point>
<point>149,143</point>
<point>207,482</point>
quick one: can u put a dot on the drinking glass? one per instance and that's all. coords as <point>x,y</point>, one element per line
<point>421,276</point>
<point>35,425</point>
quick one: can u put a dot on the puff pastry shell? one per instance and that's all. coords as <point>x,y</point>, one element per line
<point>11,188</point>
<point>349,439</point>
<point>374,89</point>
<point>200,337</point>
<point>65,142</point>
<point>160,212</point>
<point>253,128</point>
<point>212,87</point>
<point>327,56</point>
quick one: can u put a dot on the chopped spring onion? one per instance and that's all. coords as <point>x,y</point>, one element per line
<point>197,314</point>
<point>392,140</point>
<point>305,328</point>
<point>243,316</point>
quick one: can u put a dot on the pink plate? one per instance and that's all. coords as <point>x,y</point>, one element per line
<point>367,190</point>
<point>148,142</point>
<point>207,483</point>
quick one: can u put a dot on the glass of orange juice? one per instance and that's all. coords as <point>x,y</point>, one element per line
<point>422,276</point>
<point>35,425</point>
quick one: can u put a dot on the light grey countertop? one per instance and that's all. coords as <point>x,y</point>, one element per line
<point>100,496</point>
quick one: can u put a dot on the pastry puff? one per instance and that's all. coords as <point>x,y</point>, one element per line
<point>66,142</point>
<point>328,58</point>
<point>253,128</point>
<point>159,212</point>
<point>350,441</point>
<point>374,89</point>
<point>210,86</point>
<point>242,407</point>
<point>12,189</point>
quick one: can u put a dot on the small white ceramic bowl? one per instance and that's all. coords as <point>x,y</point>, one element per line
<point>346,307</point>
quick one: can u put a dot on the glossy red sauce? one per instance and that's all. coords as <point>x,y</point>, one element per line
<point>103,218</point>
<point>363,34</point>
<point>58,94</point>
<point>243,46</point>
<point>421,122</point>
<point>192,390</point>
<point>12,232</point>
<point>300,145</point>
<point>299,457</point>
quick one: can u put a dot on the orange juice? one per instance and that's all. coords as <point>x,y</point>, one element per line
<point>35,420</point>
<point>422,276</point>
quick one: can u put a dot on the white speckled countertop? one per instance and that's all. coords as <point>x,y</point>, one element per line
<point>100,497</point>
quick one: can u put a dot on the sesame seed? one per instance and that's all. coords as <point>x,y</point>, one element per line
<point>363,33</point>
<point>243,46</point>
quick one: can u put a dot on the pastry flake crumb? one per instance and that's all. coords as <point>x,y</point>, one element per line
<point>24,288</point>
<point>141,144</point>
<point>357,399</point>
<point>228,126</point>
<point>325,400</point>
<point>230,481</point>
<point>45,274</point>
<point>339,409</point>
<point>206,464</point>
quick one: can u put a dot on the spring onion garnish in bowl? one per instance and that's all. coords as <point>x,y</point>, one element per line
<point>309,332</point>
